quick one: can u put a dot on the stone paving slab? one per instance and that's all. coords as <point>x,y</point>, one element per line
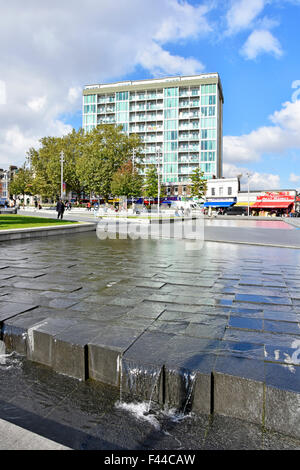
<point>213,332</point>
<point>16,438</point>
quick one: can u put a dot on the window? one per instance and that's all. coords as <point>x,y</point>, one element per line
<point>122,106</point>
<point>171,135</point>
<point>170,146</point>
<point>213,191</point>
<point>171,102</point>
<point>229,190</point>
<point>122,95</point>
<point>170,125</point>
<point>205,89</point>
<point>171,91</point>
<point>221,191</point>
<point>171,113</point>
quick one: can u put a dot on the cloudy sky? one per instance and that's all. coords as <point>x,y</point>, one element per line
<point>49,50</point>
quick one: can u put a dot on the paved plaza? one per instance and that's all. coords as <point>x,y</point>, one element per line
<point>213,331</point>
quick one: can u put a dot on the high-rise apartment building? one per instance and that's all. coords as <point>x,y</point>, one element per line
<point>179,120</point>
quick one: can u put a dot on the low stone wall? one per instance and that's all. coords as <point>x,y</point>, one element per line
<point>27,233</point>
<point>12,210</point>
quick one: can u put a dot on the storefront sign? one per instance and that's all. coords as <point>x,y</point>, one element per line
<point>276,196</point>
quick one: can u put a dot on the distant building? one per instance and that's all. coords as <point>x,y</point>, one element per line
<point>4,180</point>
<point>179,120</point>
<point>271,200</point>
<point>222,192</point>
<point>6,177</point>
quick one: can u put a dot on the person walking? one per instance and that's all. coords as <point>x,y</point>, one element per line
<point>60,208</point>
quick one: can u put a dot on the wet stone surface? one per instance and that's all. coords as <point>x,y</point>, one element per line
<point>212,321</point>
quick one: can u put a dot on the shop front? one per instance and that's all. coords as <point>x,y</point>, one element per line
<point>219,205</point>
<point>276,203</point>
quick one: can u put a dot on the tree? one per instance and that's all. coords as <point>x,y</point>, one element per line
<point>46,166</point>
<point>104,151</point>
<point>151,182</point>
<point>199,184</point>
<point>22,182</point>
<point>127,181</point>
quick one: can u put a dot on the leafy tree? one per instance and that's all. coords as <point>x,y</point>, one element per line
<point>22,182</point>
<point>46,166</point>
<point>151,183</point>
<point>127,181</point>
<point>199,184</point>
<point>105,149</point>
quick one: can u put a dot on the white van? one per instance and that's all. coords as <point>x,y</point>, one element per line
<point>191,205</point>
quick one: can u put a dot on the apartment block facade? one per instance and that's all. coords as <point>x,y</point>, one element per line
<point>179,120</point>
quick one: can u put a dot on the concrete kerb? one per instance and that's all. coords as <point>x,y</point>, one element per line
<point>274,245</point>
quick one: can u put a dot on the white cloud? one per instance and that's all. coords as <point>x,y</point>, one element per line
<point>186,21</point>
<point>2,92</point>
<point>274,139</point>
<point>256,180</point>
<point>242,13</point>
<point>261,42</point>
<point>294,178</point>
<point>37,104</point>
<point>74,93</point>
<point>49,51</point>
<point>161,62</point>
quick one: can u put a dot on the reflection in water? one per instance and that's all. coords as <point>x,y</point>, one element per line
<point>272,224</point>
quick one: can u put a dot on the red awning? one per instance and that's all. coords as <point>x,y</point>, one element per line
<point>272,205</point>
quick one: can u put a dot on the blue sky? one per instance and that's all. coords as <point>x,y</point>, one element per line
<point>52,49</point>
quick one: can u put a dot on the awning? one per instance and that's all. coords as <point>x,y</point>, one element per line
<point>244,204</point>
<point>272,205</point>
<point>218,204</point>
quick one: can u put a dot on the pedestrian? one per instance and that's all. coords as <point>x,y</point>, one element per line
<point>88,206</point>
<point>60,208</point>
<point>36,204</point>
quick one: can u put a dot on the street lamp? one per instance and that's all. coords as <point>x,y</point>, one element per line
<point>133,161</point>
<point>248,175</point>
<point>61,174</point>
<point>158,176</point>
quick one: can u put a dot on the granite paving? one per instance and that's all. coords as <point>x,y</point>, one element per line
<point>215,330</point>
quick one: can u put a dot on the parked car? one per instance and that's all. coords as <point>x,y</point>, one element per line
<point>236,210</point>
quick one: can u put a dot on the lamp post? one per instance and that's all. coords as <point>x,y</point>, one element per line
<point>189,174</point>
<point>158,176</point>
<point>133,158</point>
<point>61,174</point>
<point>248,175</point>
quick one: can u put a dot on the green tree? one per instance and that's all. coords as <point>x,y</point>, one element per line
<point>199,184</point>
<point>22,182</point>
<point>151,182</point>
<point>127,181</point>
<point>46,166</point>
<point>105,149</point>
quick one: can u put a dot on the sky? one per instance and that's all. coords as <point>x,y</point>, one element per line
<point>50,50</point>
